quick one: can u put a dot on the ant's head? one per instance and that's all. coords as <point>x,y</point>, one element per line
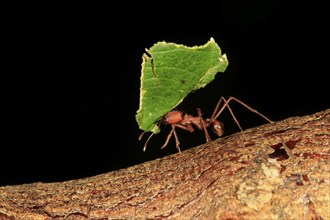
<point>173,117</point>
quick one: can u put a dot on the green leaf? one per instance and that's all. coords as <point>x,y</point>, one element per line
<point>169,73</point>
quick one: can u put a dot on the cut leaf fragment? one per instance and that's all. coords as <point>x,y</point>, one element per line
<point>169,73</point>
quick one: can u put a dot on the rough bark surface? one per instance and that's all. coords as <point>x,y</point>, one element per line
<point>275,171</point>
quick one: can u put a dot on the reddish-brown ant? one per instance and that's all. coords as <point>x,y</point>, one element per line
<point>178,119</point>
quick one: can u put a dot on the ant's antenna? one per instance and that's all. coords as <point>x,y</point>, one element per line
<point>146,143</point>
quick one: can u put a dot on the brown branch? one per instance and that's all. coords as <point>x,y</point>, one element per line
<point>280,171</point>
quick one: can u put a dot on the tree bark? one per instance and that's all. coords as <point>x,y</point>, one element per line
<point>275,171</point>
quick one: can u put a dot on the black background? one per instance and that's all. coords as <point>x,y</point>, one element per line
<point>75,78</point>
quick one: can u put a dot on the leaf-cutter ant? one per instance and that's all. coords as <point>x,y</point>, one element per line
<point>178,119</point>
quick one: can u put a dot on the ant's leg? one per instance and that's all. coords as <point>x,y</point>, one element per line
<point>186,128</point>
<point>217,107</point>
<point>146,143</point>
<point>168,138</point>
<point>245,105</point>
<point>215,116</point>
<point>232,114</point>
<point>251,109</point>
<point>177,143</point>
<point>207,136</point>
